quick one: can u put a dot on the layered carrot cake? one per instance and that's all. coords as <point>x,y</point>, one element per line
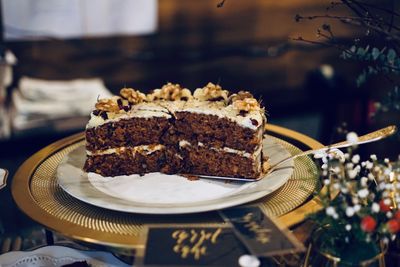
<point>172,130</point>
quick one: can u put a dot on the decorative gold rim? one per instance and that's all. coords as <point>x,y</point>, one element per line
<point>23,197</point>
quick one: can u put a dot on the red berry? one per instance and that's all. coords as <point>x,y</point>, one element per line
<point>383,206</point>
<point>393,226</point>
<point>368,224</point>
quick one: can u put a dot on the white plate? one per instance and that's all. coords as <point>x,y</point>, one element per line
<point>157,193</point>
<point>55,256</point>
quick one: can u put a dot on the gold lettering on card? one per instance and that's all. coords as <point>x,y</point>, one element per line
<point>262,234</point>
<point>194,242</point>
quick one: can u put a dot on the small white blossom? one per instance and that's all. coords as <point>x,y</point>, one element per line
<point>386,160</point>
<point>363,163</point>
<point>348,227</point>
<point>387,201</point>
<point>375,207</point>
<point>349,211</point>
<point>344,190</point>
<point>385,240</point>
<point>336,170</point>
<point>371,176</point>
<point>382,186</point>
<point>327,181</point>
<point>389,214</point>
<point>387,171</point>
<point>335,216</point>
<point>352,138</point>
<point>349,165</point>
<point>368,164</point>
<point>385,194</point>
<point>352,173</point>
<point>355,159</point>
<point>373,157</point>
<point>324,166</point>
<point>363,193</point>
<point>336,186</point>
<point>330,211</point>
<point>389,186</point>
<point>324,172</point>
<point>346,155</point>
<point>357,207</point>
<point>364,181</point>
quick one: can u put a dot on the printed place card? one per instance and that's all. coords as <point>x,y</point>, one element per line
<point>190,245</point>
<point>259,233</point>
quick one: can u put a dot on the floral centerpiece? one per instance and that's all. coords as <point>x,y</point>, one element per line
<point>360,206</point>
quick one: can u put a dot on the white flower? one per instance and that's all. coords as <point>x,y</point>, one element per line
<point>389,186</point>
<point>386,160</point>
<point>352,173</point>
<point>385,240</point>
<point>368,164</point>
<point>355,200</point>
<point>389,214</point>
<point>387,201</point>
<point>357,207</point>
<point>348,227</point>
<point>336,186</point>
<point>382,186</point>
<point>363,193</point>
<point>344,190</point>
<point>373,157</point>
<point>335,216</point>
<point>349,211</point>
<point>363,163</point>
<point>336,170</point>
<point>349,166</point>
<point>364,181</point>
<point>327,181</point>
<point>324,166</point>
<point>385,194</point>
<point>330,211</point>
<point>375,207</point>
<point>249,261</point>
<point>352,138</point>
<point>371,176</point>
<point>355,159</point>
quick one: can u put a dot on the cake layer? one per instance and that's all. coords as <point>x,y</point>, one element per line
<point>202,160</point>
<point>126,133</point>
<point>125,162</point>
<point>216,131</point>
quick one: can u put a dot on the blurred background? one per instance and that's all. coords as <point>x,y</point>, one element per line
<point>59,56</point>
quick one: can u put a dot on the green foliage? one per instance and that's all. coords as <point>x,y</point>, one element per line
<point>379,61</point>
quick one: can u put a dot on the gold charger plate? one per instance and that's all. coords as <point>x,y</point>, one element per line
<point>36,192</point>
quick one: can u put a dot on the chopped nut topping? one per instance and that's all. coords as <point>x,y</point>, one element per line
<point>170,92</point>
<point>108,104</point>
<point>211,92</point>
<point>133,96</point>
<point>247,105</point>
<point>240,96</point>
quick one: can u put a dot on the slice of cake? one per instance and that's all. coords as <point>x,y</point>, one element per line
<point>170,130</point>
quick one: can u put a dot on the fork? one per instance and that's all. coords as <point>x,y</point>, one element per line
<point>367,138</point>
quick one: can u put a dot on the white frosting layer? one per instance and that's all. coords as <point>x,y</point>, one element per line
<point>256,154</point>
<point>219,109</point>
<point>252,120</point>
<point>144,149</point>
<point>138,111</point>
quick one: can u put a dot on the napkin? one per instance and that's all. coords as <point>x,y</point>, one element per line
<point>37,102</point>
